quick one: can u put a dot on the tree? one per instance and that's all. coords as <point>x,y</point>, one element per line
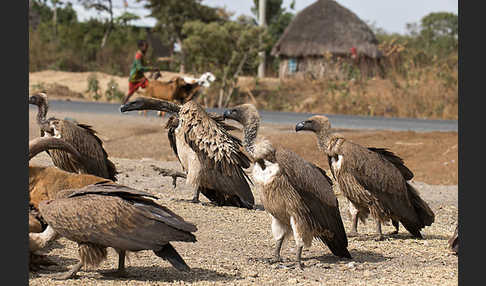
<point>440,30</point>
<point>222,49</point>
<point>105,6</point>
<point>437,33</point>
<point>172,14</point>
<point>277,19</point>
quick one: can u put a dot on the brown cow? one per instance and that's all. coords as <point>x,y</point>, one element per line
<point>178,89</point>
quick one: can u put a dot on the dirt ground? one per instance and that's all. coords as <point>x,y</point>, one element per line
<point>233,243</point>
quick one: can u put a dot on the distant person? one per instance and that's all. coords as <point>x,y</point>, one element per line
<point>137,77</point>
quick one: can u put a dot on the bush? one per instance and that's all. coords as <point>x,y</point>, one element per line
<point>113,92</point>
<point>93,87</point>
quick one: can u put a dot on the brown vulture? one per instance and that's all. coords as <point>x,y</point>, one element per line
<point>208,153</point>
<point>297,194</point>
<point>372,179</point>
<point>80,136</point>
<point>110,215</point>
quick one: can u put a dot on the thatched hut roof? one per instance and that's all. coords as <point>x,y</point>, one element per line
<point>326,26</point>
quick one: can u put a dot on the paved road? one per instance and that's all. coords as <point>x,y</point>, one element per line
<point>338,121</point>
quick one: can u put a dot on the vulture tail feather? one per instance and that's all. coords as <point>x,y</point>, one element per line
<point>425,215</point>
<point>423,210</point>
<point>169,253</point>
<point>337,246</point>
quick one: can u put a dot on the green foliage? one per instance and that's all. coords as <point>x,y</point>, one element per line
<point>38,86</point>
<point>222,49</point>
<point>172,14</point>
<point>93,86</point>
<point>77,45</point>
<point>113,92</point>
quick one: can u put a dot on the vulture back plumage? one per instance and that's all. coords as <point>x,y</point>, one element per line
<point>111,215</point>
<point>208,153</point>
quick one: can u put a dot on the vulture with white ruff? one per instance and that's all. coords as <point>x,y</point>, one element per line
<point>110,215</point>
<point>80,136</point>
<point>208,153</point>
<point>297,194</point>
<point>373,179</point>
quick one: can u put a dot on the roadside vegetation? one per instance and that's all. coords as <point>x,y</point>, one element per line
<point>420,67</point>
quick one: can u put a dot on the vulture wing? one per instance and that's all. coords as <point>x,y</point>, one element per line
<point>109,188</point>
<point>216,148</point>
<point>84,139</point>
<point>376,174</point>
<point>372,170</point>
<point>171,125</point>
<point>119,219</point>
<point>314,187</point>
<point>395,160</point>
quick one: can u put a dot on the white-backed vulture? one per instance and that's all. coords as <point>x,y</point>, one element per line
<point>110,215</point>
<point>297,194</point>
<point>81,136</point>
<point>454,241</point>
<point>208,153</point>
<point>372,178</point>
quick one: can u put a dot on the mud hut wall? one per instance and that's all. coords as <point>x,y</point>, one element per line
<point>336,67</point>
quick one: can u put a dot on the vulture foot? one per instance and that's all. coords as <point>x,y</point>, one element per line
<point>274,260</point>
<point>294,265</point>
<point>39,261</point>
<point>69,274</point>
<point>352,234</point>
<point>379,237</point>
<point>395,232</point>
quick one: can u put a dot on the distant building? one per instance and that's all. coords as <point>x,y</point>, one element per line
<point>324,39</point>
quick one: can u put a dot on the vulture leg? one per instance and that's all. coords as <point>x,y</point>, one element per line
<point>379,234</point>
<point>354,219</point>
<point>299,255</point>
<point>396,225</point>
<point>195,198</point>
<point>298,241</point>
<point>276,256</point>
<point>279,232</point>
<point>71,273</point>
<point>121,263</point>
<point>120,272</point>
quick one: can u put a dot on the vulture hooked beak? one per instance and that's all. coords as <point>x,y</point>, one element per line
<point>145,103</point>
<point>301,126</point>
<point>229,114</point>
<point>132,105</point>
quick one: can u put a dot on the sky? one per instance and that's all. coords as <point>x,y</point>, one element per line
<point>390,15</point>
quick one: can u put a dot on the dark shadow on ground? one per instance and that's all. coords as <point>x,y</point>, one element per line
<point>169,274</point>
<point>400,236</point>
<point>357,255</point>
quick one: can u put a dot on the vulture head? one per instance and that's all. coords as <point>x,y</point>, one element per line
<point>38,99</point>
<point>146,103</point>
<point>244,114</point>
<point>316,124</point>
